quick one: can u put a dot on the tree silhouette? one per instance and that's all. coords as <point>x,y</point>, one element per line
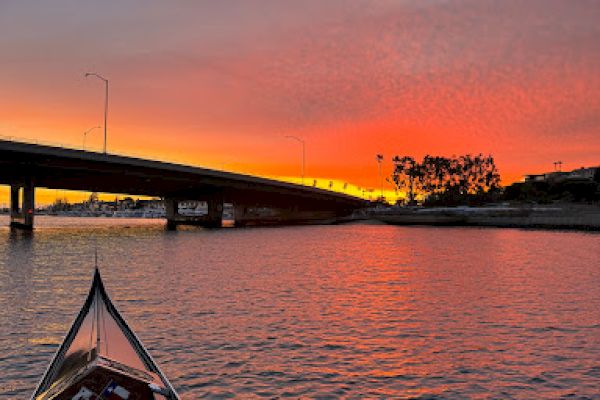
<point>450,180</point>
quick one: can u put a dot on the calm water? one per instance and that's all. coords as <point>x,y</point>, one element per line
<point>323,312</point>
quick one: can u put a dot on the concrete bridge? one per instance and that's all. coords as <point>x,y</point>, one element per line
<point>25,166</point>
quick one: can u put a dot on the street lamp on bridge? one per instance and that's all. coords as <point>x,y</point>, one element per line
<point>105,100</point>
<point>296,138</point>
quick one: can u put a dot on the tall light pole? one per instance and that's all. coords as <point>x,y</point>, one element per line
<point>86,132</point>
<point>105,101</point>
<point>379,159</point>
<point>296,138</point>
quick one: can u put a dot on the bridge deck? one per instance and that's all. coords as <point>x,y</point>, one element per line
<point>62,168</point>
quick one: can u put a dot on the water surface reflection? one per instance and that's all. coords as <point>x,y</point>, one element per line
<point>325,311</point>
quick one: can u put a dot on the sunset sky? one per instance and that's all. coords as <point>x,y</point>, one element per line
<point>220,83</point>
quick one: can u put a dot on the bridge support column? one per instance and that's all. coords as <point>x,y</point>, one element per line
<point>171,212</point>
<point>215,212</point>
<point>239,214</point>
<point>21,213</point>
<point>14,201</point>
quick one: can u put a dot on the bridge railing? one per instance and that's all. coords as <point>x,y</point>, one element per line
<point>323,184</point>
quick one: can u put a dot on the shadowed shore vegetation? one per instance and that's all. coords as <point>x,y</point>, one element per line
<point>474,180</point>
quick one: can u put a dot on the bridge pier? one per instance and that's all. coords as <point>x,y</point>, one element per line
<point>239,214</point>
<point>22,212</point>
<point>215,212</point>
<point>213,219</point>
<point>171,207</point>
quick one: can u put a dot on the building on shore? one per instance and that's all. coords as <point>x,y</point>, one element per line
<point>583,173</point>
<point>578,185</point>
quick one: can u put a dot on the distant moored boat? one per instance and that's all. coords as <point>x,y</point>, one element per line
<point>102,359</point>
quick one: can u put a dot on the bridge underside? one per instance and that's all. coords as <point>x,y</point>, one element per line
<point>255,200</point>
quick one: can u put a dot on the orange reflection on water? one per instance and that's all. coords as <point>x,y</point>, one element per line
<point>355,310</point>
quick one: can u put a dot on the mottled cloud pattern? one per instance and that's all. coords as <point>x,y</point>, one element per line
<point>214,81</point>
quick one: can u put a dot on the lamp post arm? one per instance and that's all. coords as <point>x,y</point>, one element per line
<point>86,133</point>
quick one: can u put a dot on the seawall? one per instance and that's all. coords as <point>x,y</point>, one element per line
<point>581,217</point>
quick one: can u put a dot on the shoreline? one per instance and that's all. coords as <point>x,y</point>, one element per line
<point>559,217</point>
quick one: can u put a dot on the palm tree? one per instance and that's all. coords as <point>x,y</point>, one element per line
<point>379,159</point>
